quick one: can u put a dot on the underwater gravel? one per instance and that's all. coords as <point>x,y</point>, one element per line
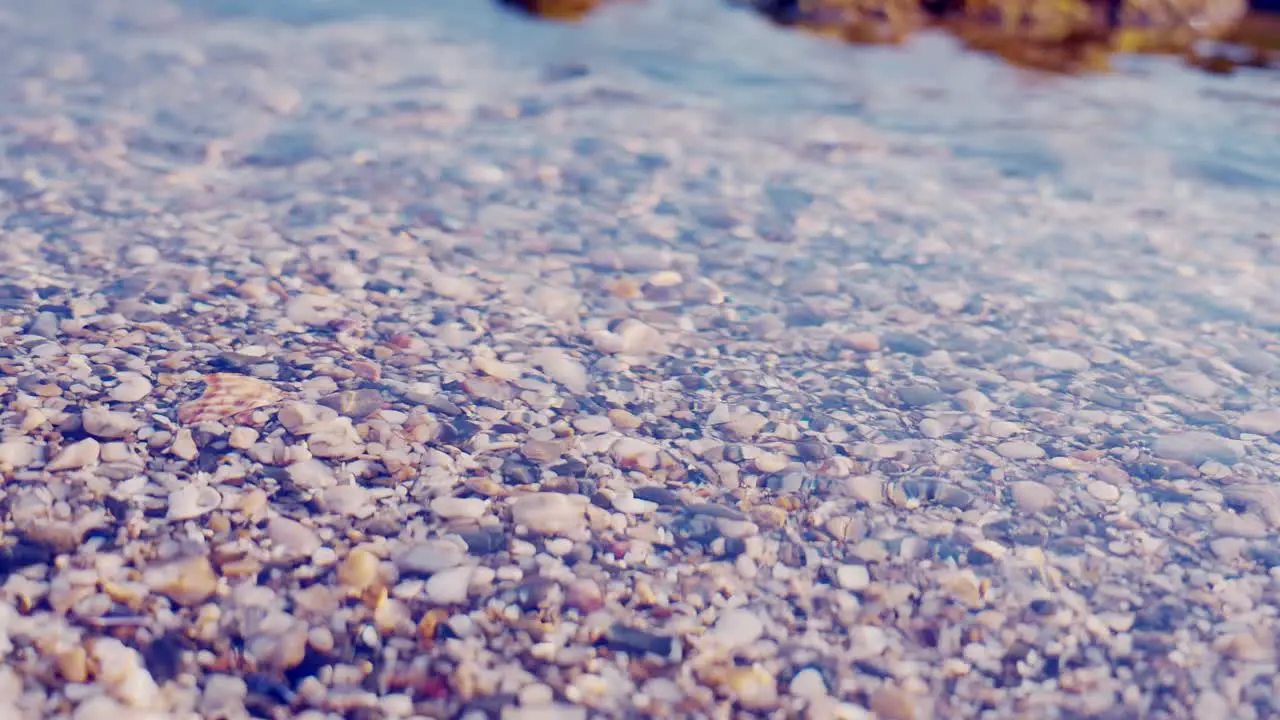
<point>348,371</point>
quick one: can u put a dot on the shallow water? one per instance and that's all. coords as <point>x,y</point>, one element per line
<point>950,385</point>
<point>1216,130</point>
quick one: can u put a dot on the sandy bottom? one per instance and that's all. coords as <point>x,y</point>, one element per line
<point>433,364</point>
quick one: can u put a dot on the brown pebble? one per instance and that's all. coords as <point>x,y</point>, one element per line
<point>893,703</point>
<point>355,404</point>
<point>584,596</point>
<point>359,571</point>
<point>73,665</point>
<point>862,341</point>
<point>186,582</point>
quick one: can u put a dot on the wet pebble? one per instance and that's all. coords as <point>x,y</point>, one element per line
<point>1059,360</point>
<point>1019,450</point>
<point>907,343</point>
<point>551,513</point>
<point>449,586</point>
<point>1196,448</point>
<point>1104,491</point>
<point>453,508</point>
<point>1192,384</point>
<point>189,581</point>
<point>919,396</point>
<point>1260,422</point>
<point>634,640</point>
<point>107,424</point>
<point>192,501</point>
<point>737,628</point>
<point>430,556</point>
<point>75,456</point>
<point>1031,496</point>
<point>853,577</point>
<point>292,538</point>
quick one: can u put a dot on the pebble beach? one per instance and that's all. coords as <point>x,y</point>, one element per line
<point>438,363</point>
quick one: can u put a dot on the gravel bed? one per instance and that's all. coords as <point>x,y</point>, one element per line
<point>354,370</point>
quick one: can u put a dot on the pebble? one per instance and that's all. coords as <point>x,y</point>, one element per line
<point>184,445</point>
<point>768,462</point>
<point>932,428</point>
<point>1003,428</point>
<point>312,474</point>
<point>1059,360</point>
<point>1260,422</point>
<point>44,325</point>
<point>75,456</point>
<point>737,628</point>
<point>1192,384</point>
<point>593,424</point>
<point>1019,450</point>
<point>449,587</point>
<point>862,341</point>
<point>1104,491</point>
<point>561,368</point>
<point>584,595</point>
<point>1197,447</point>
<point>853,577</point>
<point>907,343</point>
<point>16,454</point>
<point>242,438</point>
<point>754,688</point>
<point>1246,525</point>
<point>359,570</point>
<point>550,513</point>
<point>892,703</point>
<point>107,424</point>
<point>292,538</point>
<point>634,453</point>
<point>1211,704</point>
<point>355,404</point>
<point>921,396</point>
<point>121,671</point>
<point>187,582</point>
<point>192,501</point>
<point>141,254</point>
<point>808,684</point>
<point>430,556</point>
<point>455,508</point>
<point>312,310</point>
<point>1031,496</point>
<point>347,499</point>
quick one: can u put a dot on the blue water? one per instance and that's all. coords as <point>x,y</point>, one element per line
<point>1219,130</point>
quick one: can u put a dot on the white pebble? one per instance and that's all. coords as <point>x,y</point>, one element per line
<point>107,424</point>
<point>75,456</point>
<point>853,577</point>
<point>454,508</point>
<point>449,587</point>
<point>1104,491</point>
<point>1060,360</point>
<point>132,387</point>
<point>191,501</point>
<point>550,513</point>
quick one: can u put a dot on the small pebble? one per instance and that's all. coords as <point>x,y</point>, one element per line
<point>449,587</point>
<point>1059,360</point>
<point>106,424</point>
<point>551,513</point>
<point>1104,491</point>
<point>75,456</point>
<point>358,571</point>
<point>454,508</point>
<point>1019,450</point>
<point>853,577</point>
